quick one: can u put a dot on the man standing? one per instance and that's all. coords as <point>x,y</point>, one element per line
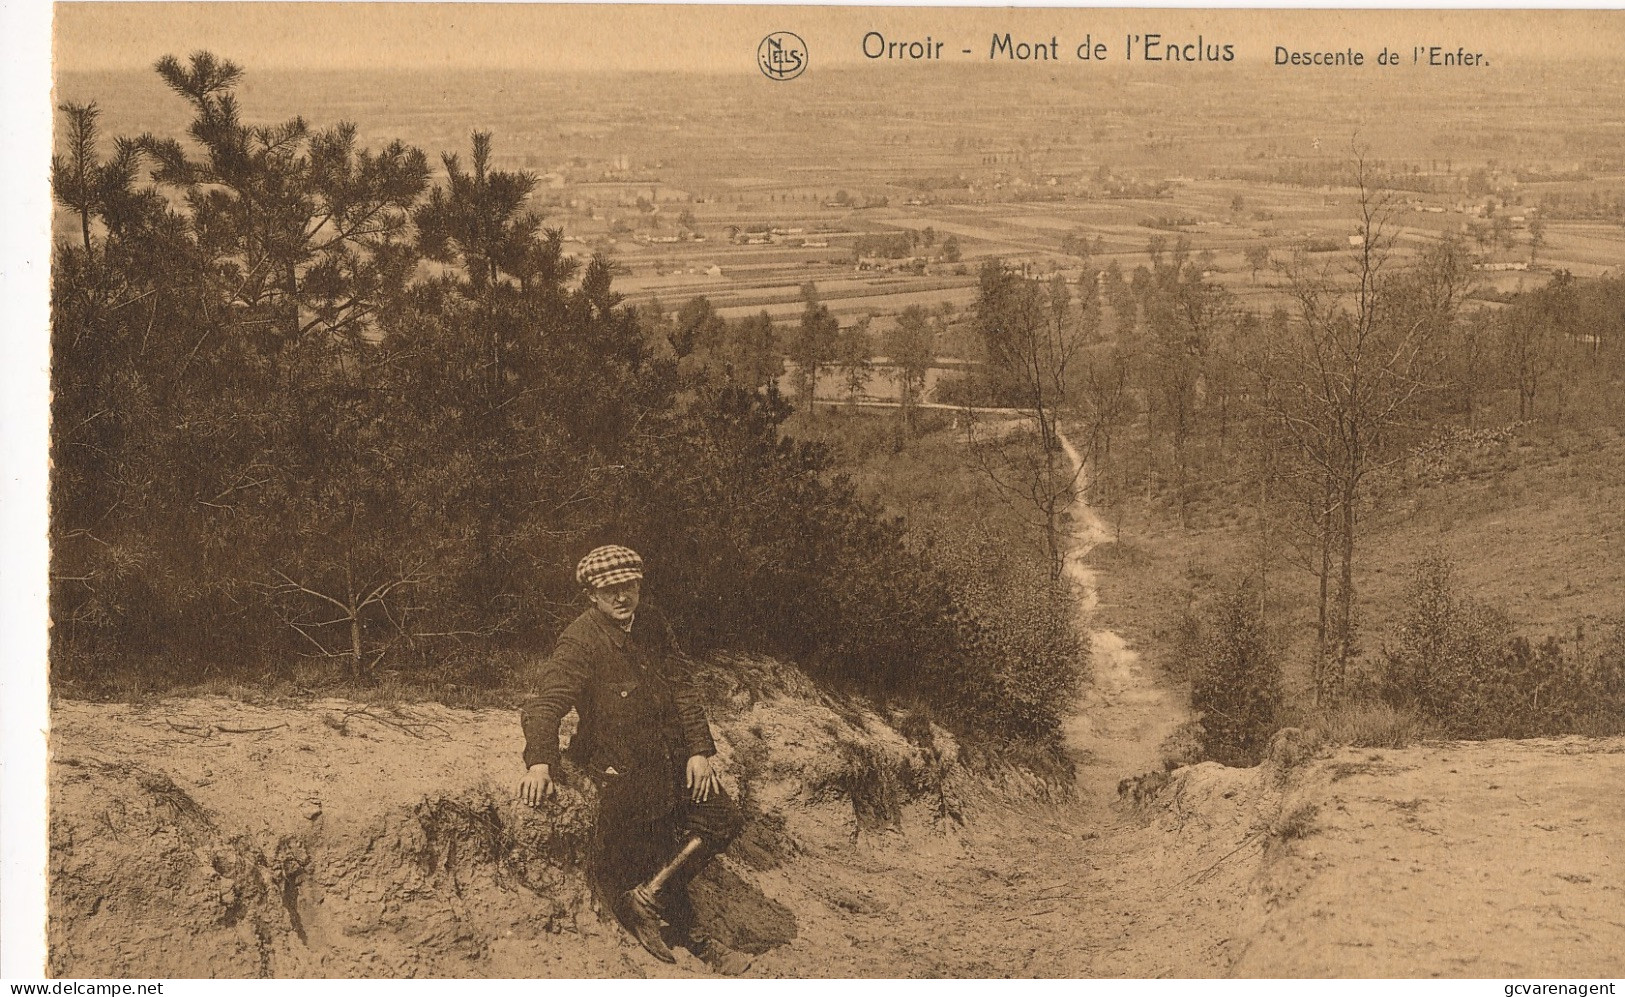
<point>645,741</point>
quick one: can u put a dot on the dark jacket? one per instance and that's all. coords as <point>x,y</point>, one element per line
<point>640,713</point>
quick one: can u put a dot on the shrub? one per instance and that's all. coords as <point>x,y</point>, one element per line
<point>761,546</point>
<point>1187,644</point>
<point>1461,666</point>
<point>1436,660</point>
<point>1531,689</point>
<point>1019,661</point>
<point>1012,666</point>
<point>974,389</point>
<point>1236,680</point>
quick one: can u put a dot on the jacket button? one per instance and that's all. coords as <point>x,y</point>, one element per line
<point>623,693</point>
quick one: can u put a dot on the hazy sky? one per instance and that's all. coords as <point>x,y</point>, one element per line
<point>724,38</point>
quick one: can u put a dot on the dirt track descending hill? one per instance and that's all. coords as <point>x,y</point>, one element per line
<point>1126,714</point>
<point>211,837</point>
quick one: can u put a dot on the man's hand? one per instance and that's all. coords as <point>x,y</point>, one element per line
<point>538,783</point>
<point>703,779</point>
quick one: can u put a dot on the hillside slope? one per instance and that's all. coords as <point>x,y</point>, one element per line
<point>304,850</point>
<point>211,837</point>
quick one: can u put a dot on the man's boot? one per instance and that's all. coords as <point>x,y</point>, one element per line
<point>641,915</point>
<point>721,958</point>
<point>643,904</point>
<point>717,955</point>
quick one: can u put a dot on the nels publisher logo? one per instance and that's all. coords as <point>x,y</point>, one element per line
<point>782,56</point>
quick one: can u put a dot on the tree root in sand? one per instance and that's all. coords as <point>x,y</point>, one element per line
<point>209,730</point>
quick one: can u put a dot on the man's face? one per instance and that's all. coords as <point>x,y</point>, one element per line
<point>618,602</point>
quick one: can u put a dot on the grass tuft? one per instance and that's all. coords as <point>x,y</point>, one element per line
<point>1372,724</point>
<point>1297,823</point>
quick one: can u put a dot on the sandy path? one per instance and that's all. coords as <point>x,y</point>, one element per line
<point>1125,715</point>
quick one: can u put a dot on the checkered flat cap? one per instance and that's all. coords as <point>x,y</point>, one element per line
<point>610,564</point>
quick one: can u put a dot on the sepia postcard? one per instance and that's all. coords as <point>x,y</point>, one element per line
<point>659,491</point>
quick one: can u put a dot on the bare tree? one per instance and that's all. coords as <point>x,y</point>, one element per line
<point>812,343</point>
<point>1470,354</point>
<point>1258,258</point>
<point>1340,381</point>
<point>1537,238</point>
<point>910,346</point>
<point>1107,404</point>
<point>854,348</point>
<point>1033,339</point>
<point>1533,338</point>
<point>353,606</point>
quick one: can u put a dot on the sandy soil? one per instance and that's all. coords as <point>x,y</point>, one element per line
<point>1498,858</point>
<point>211,837</point>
